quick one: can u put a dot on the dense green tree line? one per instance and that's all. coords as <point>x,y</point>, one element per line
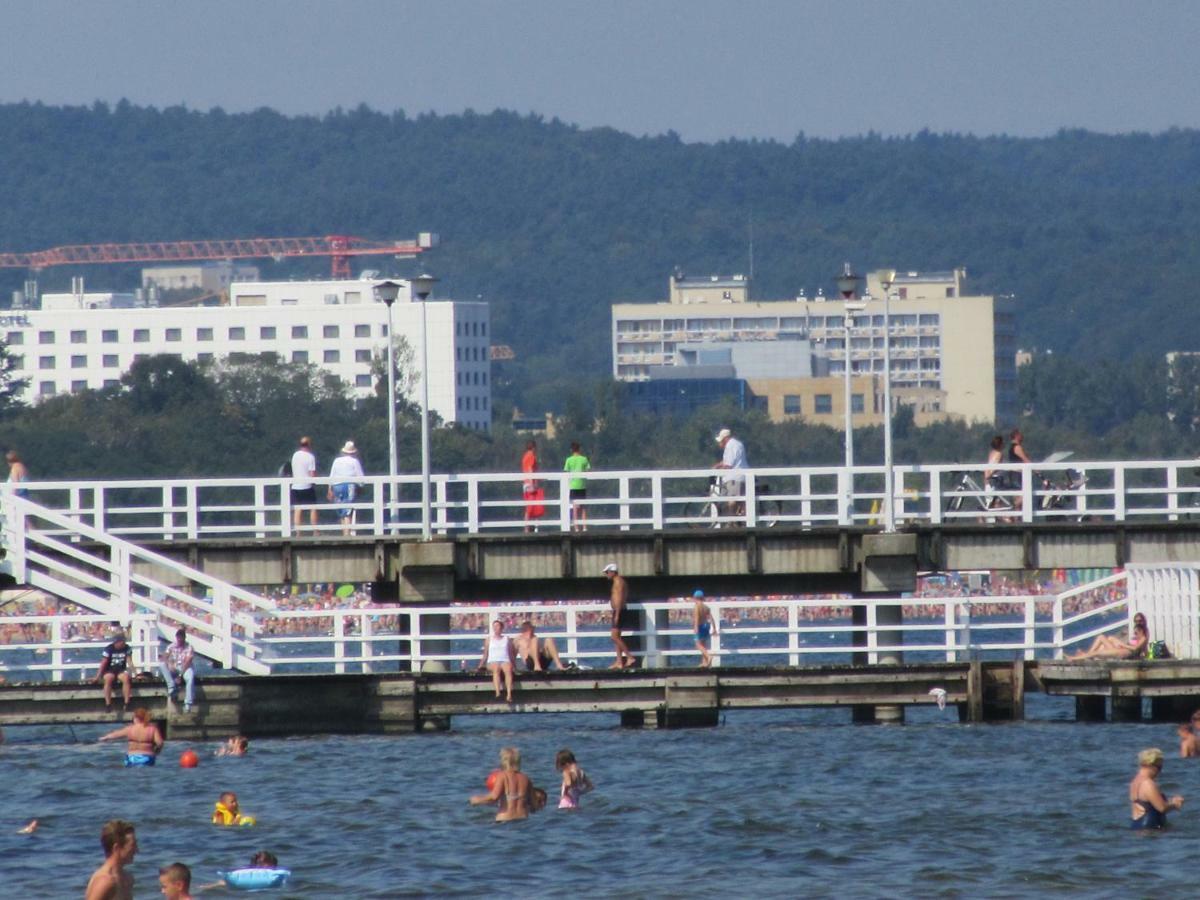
<point>552,223</point>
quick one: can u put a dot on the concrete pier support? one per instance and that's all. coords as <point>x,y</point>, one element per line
<point>1091,708</point>
<point>995,692</point>
<point>1126,706</point>
<point>889,568</point>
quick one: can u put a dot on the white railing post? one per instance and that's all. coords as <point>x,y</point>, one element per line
<point>339,643</point>
<point>572,634</point>
<point>1172,494</point>
<point>1119,492</point>
<point>99,520</point>
<point>223,635</point>
<point>1056,621</point>
<point>950,618</point>
<point>1027,501</point>
<point>366,631</point>
<point>1030,627</point>
<point>623,499</point>
<point>751,501</point>
<point>793,620</point>
<point>285,510</point>
<point>15,524</point>
<point>473,506</point>
<point>806,502</point>
<point>56,651</point>
<point>650,639</point>
<point>414,637</point>
<point>935,497</point>
<point>845,489</point>
<point>716,636</point>
<point>657,515</point>
<point>442,505</point>
<point>872,634</point>
<point>564,502</point>
<point>119,579</point>
<point>193,511</point>
<point>260,510</point>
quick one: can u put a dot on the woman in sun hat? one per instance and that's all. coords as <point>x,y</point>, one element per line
<point>343,489</point>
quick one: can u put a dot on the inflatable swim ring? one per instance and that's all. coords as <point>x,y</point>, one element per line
<point>138,759</point>
<point>255,879</point>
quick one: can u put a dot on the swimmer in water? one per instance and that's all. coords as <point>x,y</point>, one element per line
<point>111,881</point>
<point>574,782</point>
<point>30,828</point>
<point>704,626</point>
<point>1189,745</point>
<point>235,746</point>
<point>263,859</point>
<point>512,786</point>
<point>175,881</point>
<point>227,812</point>
<point>1148,807</point>
<point>145,740</point>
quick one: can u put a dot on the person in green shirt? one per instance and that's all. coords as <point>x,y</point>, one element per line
<point>577,464</point>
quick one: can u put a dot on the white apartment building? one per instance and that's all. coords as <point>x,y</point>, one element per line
<point>79,341</point>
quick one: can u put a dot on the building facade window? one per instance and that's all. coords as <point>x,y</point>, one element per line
<point>141,335</point>
<point>331,331</point>
<point>45,362</point>
<point>110,361</point>
<point>362,356</point>
<point>857,404</point>
<point>46,388</point>
<point>109,335</point>
<point>45,337</point>
<point>77,386</point>
<point>823,404</point>
<point>301,356</point>
<point>79,361</point>
<point>332,356</point>
<point>174,335</point>
<point>204,334</point>
<point>791,405</point>
<point>79,337</point>
<point>362,331</point>
<point>362,381</point>
<point>204,357</point>
<point>14,338</point>
<point>299,332</point>
<point>237,334</point>
<point>266,333</point>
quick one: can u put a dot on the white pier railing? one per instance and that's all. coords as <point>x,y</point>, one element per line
<point>813,496</point>
<point>792,632</point>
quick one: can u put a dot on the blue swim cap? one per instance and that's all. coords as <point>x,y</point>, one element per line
<point>697,593</point>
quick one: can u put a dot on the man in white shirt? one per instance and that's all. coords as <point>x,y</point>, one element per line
<point>177,666</point>
<point>345,473</point>
<point>304,491</point>
<point>733,457</point>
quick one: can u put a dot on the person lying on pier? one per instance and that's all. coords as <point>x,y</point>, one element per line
<point>115,665</point>
<point>1108,647</point>
<point>145,740</point>
<point>512,789</point>
<point>1148,807</point>
<point>500,656</point>
<point>536,653</point>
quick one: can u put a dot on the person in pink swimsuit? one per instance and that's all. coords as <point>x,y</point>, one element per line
<point>574,782</point>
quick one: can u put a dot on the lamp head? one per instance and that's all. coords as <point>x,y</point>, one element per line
<point>386,292</point>
<point>887,278</point>
<point>422,285</point>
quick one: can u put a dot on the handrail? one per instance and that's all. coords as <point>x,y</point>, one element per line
<point>483,503</point>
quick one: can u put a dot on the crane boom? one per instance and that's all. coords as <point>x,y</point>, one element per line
<point>337,246</point>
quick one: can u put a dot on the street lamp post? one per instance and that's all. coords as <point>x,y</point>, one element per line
<point>847,284</point>
<point>386,293</point>
<point>422,287</point>
<point>886,278</point>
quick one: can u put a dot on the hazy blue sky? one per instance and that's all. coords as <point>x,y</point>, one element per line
<point>708,69</point>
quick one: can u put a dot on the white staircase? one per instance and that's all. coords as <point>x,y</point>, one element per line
<point>115,578</point>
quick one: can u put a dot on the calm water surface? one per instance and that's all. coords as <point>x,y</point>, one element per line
<point>772,804</point>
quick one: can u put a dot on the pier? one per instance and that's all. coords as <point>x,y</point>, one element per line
<point>398,703</point>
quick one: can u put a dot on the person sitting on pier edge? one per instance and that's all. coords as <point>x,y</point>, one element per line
<point>114,665</point>
<point>536,653</point>
<point>1148,806</point>
<point>1108,647</point>
<point>177,667</point>
<point>500,656</point>
<point>145,740</point>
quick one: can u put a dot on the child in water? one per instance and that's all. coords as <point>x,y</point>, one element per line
<point>574,782</point>
<point>227,812</point>
<point>263,859</point>
<point>235,746</point>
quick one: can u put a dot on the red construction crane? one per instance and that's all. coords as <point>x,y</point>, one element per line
<point>338,247</point>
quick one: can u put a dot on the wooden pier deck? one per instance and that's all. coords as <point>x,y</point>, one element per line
<point>285,705</point>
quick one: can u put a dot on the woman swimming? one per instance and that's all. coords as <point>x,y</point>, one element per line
<point>574,782</point>
<point>1147,806</point>
<point>1108,647</point>
<point>512,787</point>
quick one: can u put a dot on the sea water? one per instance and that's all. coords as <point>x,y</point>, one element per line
<point>780,803</point>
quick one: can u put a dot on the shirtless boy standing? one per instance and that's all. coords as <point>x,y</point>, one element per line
<point>111,881</point>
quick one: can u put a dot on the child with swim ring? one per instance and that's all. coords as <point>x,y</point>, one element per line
<point>227,812</point>
<point>262,873</point>
<point>574,782</point>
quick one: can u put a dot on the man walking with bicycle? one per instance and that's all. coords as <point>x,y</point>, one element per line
<point>733,457</point>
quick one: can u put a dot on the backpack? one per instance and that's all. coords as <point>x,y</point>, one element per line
<point>1158,650</point>
<point>285,471</point>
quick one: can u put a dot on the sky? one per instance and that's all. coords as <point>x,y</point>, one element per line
<point>706,69</point>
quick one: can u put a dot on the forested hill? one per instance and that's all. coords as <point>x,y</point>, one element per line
<point>1094,234</point>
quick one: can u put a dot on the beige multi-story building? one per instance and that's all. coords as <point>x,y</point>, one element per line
<point>207,276</point>
<point>952,353</point>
